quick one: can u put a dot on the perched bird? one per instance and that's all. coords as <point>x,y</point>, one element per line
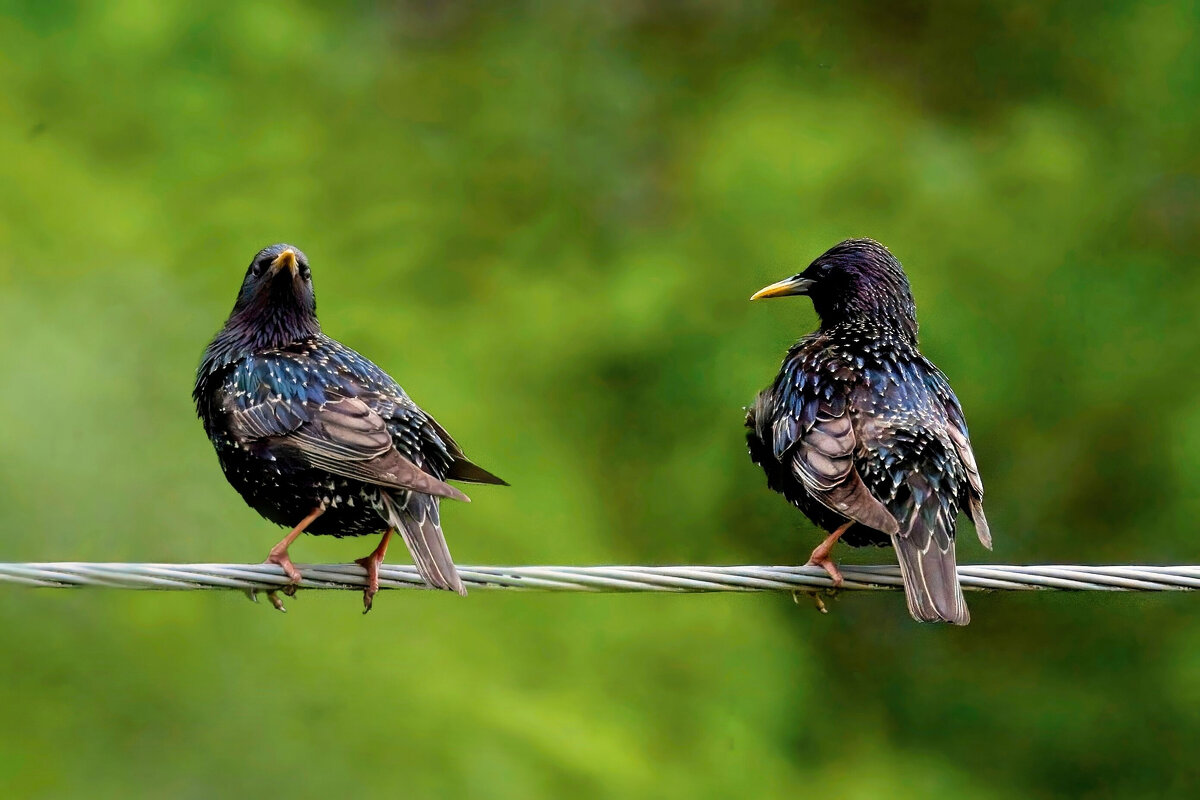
<point>864,435</point>
<point>317,438</point>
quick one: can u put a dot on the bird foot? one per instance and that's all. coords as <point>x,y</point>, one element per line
<point>281,558</point>
<point>823,561</point>
<point>371,565</point>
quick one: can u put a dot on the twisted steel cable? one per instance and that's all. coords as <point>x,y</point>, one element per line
<point>267,577</point>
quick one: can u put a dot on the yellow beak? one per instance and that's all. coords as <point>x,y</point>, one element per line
<point>285,260</point>
<point>784,288</point>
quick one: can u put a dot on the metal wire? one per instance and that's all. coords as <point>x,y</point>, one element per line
<point>266,577</point>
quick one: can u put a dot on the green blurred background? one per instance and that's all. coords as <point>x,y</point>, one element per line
<point>545,220</point>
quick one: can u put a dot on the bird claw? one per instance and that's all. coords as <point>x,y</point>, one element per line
<point>826,563</point>
<point>287,566</point>
<point>820,603</point>
<point>817,597</point>
<point>371,565</point>
<point>272,595</point>
<point>281,559</point>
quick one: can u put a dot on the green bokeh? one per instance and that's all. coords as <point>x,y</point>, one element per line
<point>545,221</point>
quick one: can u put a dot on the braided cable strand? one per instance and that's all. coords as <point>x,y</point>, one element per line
<point>265,577</point>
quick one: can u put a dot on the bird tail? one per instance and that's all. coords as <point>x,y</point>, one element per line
<point>925,550</point>
<point>418,520</point>
<point>469,472</point>
<point>931,583</point>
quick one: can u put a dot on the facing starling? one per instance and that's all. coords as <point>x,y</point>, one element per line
<point>864,435</point>
<point>317,438</point>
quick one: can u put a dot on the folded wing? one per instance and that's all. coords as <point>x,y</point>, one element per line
<point>342,435</point>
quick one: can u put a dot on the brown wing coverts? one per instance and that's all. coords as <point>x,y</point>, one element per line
<point>343,436</point>
<point>816,434</point>
<point>823,460</point>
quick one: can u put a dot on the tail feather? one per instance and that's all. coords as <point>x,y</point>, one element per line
<point>470,472</point>
<point>419,522</point>
<point>931,580</point>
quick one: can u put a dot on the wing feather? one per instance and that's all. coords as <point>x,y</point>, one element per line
<point>813,424</point>
<point>343,435</point>
<point>957,430</point>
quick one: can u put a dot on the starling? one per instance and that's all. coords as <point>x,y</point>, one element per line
<point>317,438</point>
<point>864,435</point>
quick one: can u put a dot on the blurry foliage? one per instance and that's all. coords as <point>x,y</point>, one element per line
<point>545,220</point>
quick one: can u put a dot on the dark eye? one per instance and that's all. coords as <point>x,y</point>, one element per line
<point>261,266</point>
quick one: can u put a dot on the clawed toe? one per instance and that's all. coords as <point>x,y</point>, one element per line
<point>276,600</point>
<point>372,588</point>
<point>827,564</point>
<point>820,556</point>
<point>282,560</point>
<point>272,595</point>
<point>279,556</point>
<point>371,564</point>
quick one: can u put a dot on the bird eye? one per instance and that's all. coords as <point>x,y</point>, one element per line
<point>820,271</point>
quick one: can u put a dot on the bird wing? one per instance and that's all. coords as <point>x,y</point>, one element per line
<point>956,429</point>
<point>340,434</point>
<point>812,427</point>
<point>462,468</point>
<point>416,434</point>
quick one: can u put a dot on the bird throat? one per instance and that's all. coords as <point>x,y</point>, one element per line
<point>271,319</point>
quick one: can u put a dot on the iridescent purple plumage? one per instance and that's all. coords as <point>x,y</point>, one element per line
<point>864,434</point>
<point>316,437</point>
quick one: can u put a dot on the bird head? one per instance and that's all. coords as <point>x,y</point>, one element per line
<point>276,304</point>
<point>855,280</point>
